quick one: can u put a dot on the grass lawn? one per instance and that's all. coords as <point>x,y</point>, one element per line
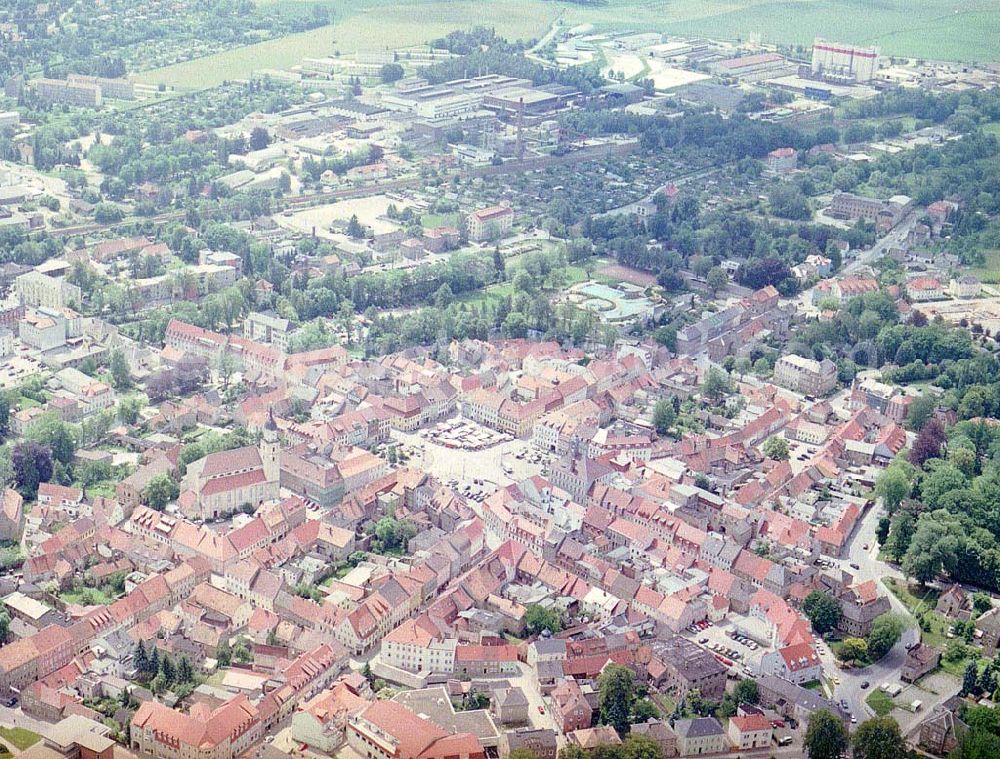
<point>19,737</point>
<point>432,220</point>
<point>104,488</point>
<point>880,702</point>
<point>990,270</point>
<point>87,596</point>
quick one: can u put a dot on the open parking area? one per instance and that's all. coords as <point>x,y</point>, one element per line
<point>463,434</point>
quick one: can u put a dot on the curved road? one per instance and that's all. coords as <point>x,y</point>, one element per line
<point>886,670</point>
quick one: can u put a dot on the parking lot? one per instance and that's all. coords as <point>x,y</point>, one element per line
<point>741,656</point>
<point>508,461</point>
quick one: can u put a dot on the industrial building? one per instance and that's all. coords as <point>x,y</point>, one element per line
<point>841,62</point>
<point>752,67</point>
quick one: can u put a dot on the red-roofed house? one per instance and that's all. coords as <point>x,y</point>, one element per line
<point>388,730</point>
<point>798,663</point>
<point>752,731</point>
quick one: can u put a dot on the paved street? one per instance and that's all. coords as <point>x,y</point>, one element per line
<point>888,668</point>
<point>891,240</point>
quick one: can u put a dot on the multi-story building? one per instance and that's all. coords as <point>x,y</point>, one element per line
<point>702,735</point>
<point>43,329</point>
<point>82,94</point>
<point>885,214</point>
<point>570,708</point>
<point>919,660</point>
<point>798,663</point>
<point>806,375</point>
<point>921,289</point>
<point>418,646</point>
<point>782,160</point>
<point>268,328</point>
<point>842,62</point>
<point>688,667</point>
<point>859,606</point>
<point>223,733</point>
<point>388,730</point>
<point>749,732</point>
<point>490,223</point>
<point>116,89</point>
<point>540,741</point>
<point>37,289</point>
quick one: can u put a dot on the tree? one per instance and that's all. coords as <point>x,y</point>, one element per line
<point>826,736</point>
<point>354,228</point>
<point>716,385</point>
<point>121,379</point>
<point>167,670</point>
<point>981,602</point>
<point>160,491</point>
<point>573,752</point>
<point>894,484</point>
<point>746,692</point>
<point>878,738</point>
<point>617,694</point>
<point>921,409</point>
<point>822,610</point>
<point>158,684</point>
<point>882,530</point>
<point>854,649</point>
<point>391,72</point>
<point>522,753</point>
<point>716,280</point>
<point>538,618</point>
<point>901,535</point>
<point>32,465</point>
<point>643,710</point>
<point>185,672</point>
<point>929,442</point>
<point>259,138</point>
<point>885,633</point>
<point>224,654</point>
<point>129,408</point>
<point>663,416</point>
<point>640,747</point>
<point>139,657</point>
<point>776,448</point>
<point>970,679</point>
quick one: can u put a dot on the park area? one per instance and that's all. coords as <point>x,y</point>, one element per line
<point>920,28</point>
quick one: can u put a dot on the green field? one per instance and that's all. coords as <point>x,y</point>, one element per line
<point>19,737</point>
<point>368,29</point>
<point>919,28</point>
<point>880,703</point>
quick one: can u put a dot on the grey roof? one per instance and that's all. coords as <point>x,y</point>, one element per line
<point>550,646</point>
<point>700,727</point>
<point>510,697</point>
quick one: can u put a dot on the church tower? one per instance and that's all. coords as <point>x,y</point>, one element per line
<point>270,450</point>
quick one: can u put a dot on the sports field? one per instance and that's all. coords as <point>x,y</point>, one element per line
<point>932,29</point>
